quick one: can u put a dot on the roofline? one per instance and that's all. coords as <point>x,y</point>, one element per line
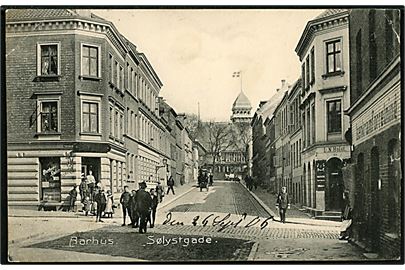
<point>305,34</point>
<point>296,85</point>
<point>150,68</point>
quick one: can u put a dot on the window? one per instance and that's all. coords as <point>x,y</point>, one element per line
<point>112,121</point>
<point>312,65</point>
<point>111,67</point>
<point>359,64</point>
<point>90,117</point>
<point>48,59</point>
<point>116,74</point>
<point>50,179</point>
<point>122,77</point>
<point>389,48</point>
<point>333,56</point>
<point>90,61</point>
<point>372,46</point>
<point>313,124</point>
<point>307,79</point>
<point>48,115</point>
<point>334,109</point>
<point>303,75</point>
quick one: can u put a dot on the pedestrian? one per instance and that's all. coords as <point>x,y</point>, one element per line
<point>124,201</point>
<point>170,185</point>
<point>101,201</point>
<point>134,215</point>
<point>91,182</point>
<point>143,204</point>
<point>86,204</point>
<point>211,179</point>
<point>72,198</point>
<point>83,187</point>
<point>155,202</point>
<point>283,203</point>
<point>160,192</point>
<point>255,182</point>
<point>345,229</point>
<point>109,205</point>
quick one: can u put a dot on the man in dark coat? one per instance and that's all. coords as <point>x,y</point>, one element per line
<point>83,188</point>
<point>155,202</point>
<point>170,185</point>
<point>283,203</point>
<point>143,203</point>
<point>133,210</point>
<point>101,201</point>
<point>72,198</point>
<point>124,200</point>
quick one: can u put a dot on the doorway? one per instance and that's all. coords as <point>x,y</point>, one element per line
<point>375,206</point>
<point>335,187</point>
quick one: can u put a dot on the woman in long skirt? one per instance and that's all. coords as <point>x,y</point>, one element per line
<point>109,206</point>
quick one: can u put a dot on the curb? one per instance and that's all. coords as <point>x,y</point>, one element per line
<point>253,252</point>
<point>161,205</point>
<point>262,204</point>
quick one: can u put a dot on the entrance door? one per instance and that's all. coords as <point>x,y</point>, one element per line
<point>335,185</point>
<point>375,207</point>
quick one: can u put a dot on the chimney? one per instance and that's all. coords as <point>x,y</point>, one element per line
<point>283,84</point>
<point>83,12</point>
<point>278,89</point>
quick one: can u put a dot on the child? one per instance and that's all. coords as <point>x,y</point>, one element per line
<point>109,206</point>
<point>86,204</point>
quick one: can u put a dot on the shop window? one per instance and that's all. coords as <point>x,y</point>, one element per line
<point>50,179</point>
<point>90,61</point>
<point>48,59</point>
<point>334,56</point>
<point>48,116</point>
<point>90,117</point>
<point>334,110</point>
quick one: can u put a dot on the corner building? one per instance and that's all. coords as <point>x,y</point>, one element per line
<point>79,98</point>
<point>323,50</point>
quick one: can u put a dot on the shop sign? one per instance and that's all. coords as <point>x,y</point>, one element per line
<point>336,149</point>
<point>378,117</point>
<point>320,175</point>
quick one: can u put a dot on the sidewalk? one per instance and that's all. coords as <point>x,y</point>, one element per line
<point>33,213</point>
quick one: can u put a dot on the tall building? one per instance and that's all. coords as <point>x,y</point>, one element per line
<point>80,98</point>
<point>323,50</point>
<point>375,113</point>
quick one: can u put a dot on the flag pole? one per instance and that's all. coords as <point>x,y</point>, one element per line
<point>240,81</point>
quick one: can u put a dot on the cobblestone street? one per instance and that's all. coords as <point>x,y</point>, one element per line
<point>217,213</point>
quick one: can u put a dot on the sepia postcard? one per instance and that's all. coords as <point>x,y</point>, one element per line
<point>169,134</point>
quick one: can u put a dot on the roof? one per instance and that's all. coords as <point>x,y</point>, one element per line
<point>242,102</point>
<point>330,12</point>
<point>30,13</point>
<point>38,14</point>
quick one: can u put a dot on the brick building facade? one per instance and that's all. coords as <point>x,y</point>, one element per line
<point>80,98</point>
<point>375,112</point>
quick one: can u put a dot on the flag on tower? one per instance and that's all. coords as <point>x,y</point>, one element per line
<point>236,74</point>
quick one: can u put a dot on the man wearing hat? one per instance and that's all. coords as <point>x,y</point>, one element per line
<point>83,187</point>
<point>72,198</point>
<point>144,203</point>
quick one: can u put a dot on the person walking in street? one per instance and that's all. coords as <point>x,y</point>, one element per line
<point>154,205</point>
<point>72,198</point>
<point>211,179</point>
<point>109,206</point>
<point>170,185</point>
<point>160,191</point>
<point>133,210</point>
<point>143,203</point>
<point>283,203</point>
<point>101,201</point>
<point>124,201</point>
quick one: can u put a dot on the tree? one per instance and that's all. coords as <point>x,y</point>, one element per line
<point>193,124</point>
<point>218,139</point>
<point>242,139</point>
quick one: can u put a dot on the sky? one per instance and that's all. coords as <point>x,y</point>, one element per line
<point>195,52</point>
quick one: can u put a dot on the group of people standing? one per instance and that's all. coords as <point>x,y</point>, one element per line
<point>141,205</point>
